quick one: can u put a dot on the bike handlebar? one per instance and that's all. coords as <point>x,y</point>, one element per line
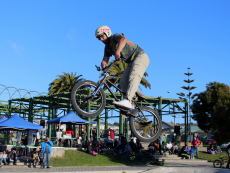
<point>108,67</point>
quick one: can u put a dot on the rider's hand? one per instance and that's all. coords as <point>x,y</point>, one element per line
<point>118,56</point>
<point>104,66</point>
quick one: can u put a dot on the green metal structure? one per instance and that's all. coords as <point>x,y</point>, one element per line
<point>47,107</point>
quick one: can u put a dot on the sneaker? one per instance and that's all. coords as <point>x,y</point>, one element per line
<point>124,103</point>
<point>48,167</point>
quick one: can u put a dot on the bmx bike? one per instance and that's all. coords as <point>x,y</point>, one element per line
<point>89,100</point>
<point>222,162</point>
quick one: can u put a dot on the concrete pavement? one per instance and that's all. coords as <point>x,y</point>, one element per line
<point>174,167</point>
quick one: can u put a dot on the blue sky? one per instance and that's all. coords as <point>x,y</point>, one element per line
<point>42,39</point>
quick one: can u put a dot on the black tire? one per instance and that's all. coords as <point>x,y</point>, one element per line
<point>217,164</point>
<point>150,136</point>
<point>81,91</point>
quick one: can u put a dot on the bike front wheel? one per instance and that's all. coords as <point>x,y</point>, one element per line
<point>217,164</point>
<point>84,102</point>
<point>146,132</point>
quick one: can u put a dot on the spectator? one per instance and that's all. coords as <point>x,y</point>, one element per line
<point>151,148</point>
<point>94,133</point>
<point>195,144</point>
<point>208,149</point>
<point>175,148</point>
<point>12,157</point>
<point>88,141</point>
<point>132,145</point>
<point>40,154</point>
<point>109,142</point>
<point>198,137</point>
<point>123,140</point>
<point>169,147</point>
<point>90,149</point>
<point>47,149</point>
<point>186,151</point>
<point>156,145</point>
<point>191,152</point>
<point>36,158</point>
<point>38,138</point>
<point>161,142</point>
<point>115,144</point>
<point>3,157</point>
<point>99,148</point>
<point>139,146</point>
<point>228,151</point>
<point>128,149</point>
<point>25,140</point>
<point>69,130</point>
<point>111,134</point>
<point>212,150</point>
<point>217,149</point>
<point>83,136</point>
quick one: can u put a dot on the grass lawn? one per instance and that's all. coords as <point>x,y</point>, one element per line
<point>212,157</point>
<point>81,158</point>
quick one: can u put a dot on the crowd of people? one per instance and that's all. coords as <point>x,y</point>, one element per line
<point>41,155</point>
<point>158,146</point>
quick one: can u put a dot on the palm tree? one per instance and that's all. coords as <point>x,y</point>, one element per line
<point>117,70</point>
<point>64,83</point>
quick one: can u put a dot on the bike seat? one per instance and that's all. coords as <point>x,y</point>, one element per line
<point>140,96</point>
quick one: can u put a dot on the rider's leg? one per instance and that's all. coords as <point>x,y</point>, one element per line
<point>124,82</point>
<point>138,68</point>
<point>131,78</point>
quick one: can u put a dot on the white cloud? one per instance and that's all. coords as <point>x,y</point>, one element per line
<point>16,47</point>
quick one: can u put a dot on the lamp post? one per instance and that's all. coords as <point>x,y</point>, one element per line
<point>173,110</point>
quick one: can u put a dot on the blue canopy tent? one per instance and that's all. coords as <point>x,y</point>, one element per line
<point>17,123</point>
<point>3,119</point>
<point>71,118</point>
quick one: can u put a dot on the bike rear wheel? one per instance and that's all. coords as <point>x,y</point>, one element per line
<point>83,101</point>
<point>143,132</point>
<point>217,164</point>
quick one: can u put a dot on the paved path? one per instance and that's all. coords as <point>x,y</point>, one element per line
<point>185,167</point>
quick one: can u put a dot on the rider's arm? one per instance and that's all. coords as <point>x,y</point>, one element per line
<point>121,45</point>
<point>104,62</point>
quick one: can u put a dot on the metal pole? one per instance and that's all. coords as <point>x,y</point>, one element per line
<point>98,125</point>
<point>160,107</point>
<point>106,123</point>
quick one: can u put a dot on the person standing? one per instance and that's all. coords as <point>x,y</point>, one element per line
<point>47,149</point>
<point>195,144</point>
<point>38,137</point>
<point>111,134</point>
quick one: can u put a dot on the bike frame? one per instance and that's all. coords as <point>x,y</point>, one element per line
<point>103,82</point>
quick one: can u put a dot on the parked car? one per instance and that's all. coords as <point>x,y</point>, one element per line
<point>210,141</point>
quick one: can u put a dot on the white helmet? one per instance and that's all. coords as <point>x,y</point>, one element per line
<point>103,29</point>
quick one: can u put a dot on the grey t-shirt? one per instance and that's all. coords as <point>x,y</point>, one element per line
<point>128,53</point>
<point>161,138</point>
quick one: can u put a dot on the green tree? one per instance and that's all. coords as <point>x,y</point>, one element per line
<point>190,97</point>
<point>117,70</point>
<point>64,83</point>
<point>211,110</point>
